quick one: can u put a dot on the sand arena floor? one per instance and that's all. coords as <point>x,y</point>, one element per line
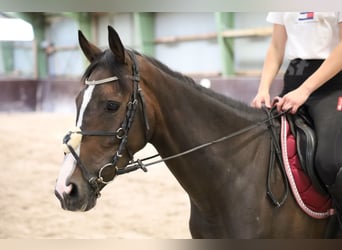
<point>137,205</point>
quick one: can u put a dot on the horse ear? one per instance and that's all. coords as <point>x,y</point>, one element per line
<point>89,49</point>
<point>115,45</point>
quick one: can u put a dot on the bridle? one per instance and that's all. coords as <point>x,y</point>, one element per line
<point>120,134</point>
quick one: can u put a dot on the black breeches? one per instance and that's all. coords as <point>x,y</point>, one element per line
<point>327,119</point>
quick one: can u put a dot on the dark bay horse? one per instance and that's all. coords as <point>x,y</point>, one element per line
<point>129,100</point>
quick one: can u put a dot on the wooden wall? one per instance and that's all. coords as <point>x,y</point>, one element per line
<point>18,95</point>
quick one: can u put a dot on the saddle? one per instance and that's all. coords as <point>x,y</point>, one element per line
<point>297,146</point>
<point>302,129</point>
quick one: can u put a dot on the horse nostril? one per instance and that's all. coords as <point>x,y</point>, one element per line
<point>73,190</point>
<point>68,189</point>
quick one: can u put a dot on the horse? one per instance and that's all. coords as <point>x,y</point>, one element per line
<point>129,99</point>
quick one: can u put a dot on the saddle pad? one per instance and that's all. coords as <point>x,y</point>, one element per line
<point>310,201</point>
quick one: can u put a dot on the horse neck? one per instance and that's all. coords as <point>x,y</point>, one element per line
<point>186,116</point>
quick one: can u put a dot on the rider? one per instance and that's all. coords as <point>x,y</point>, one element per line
<point>312,81</point>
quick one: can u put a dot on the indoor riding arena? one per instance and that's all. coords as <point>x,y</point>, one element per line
<point>40,76</point>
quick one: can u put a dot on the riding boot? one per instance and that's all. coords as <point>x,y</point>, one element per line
<point>335,191</point>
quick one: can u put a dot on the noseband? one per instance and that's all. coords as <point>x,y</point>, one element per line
<point>120,134</point>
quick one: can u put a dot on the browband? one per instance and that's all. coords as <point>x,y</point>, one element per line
<point>95,82</point>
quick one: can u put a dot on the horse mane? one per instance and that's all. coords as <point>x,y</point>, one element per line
<point>107,60</point>
<point>191,82</point>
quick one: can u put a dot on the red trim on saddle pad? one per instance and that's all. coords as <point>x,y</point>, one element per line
<point>311,201</point>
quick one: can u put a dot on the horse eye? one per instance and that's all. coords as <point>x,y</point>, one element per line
<point>112,106</point>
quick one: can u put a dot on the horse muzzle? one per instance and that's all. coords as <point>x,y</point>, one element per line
<point>76,199</point>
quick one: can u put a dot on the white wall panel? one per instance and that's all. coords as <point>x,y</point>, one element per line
<point>189,56</point>
<point>122,22</point>
<point>250,52</point>
<point>62,32</point>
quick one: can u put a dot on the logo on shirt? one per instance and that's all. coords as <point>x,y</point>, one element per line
<point>304,16</point>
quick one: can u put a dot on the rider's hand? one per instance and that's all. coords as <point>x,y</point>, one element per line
<point>261,99</point>
<point>292,100</point>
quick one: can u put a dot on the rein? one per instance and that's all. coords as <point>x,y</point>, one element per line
<point>275,154</point>
<point>139,163</point>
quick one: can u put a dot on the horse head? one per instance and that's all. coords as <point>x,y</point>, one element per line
<point>111,124</point>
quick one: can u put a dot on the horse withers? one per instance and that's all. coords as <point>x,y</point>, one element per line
<point>129,99</point>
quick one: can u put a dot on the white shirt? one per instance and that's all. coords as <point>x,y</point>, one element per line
<point>310,35</point>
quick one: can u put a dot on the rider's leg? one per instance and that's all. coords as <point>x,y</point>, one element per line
<point>327,119</point>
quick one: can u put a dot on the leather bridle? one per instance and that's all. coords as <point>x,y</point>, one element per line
<point>120,134</point>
